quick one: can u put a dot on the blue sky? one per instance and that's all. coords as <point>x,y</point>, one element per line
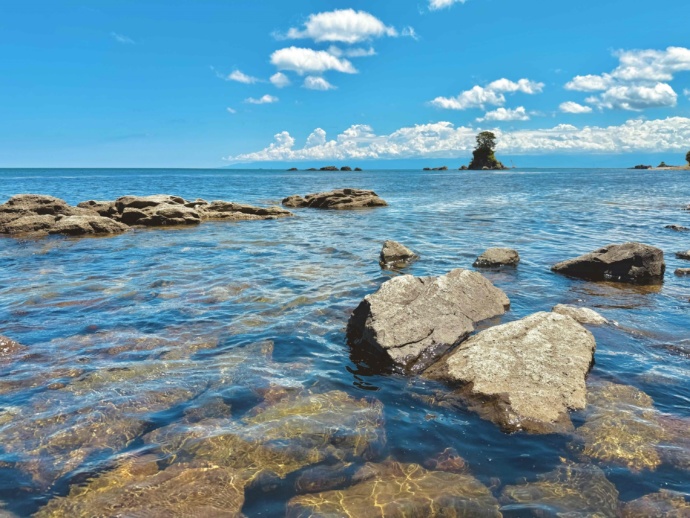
<point>118,83</point>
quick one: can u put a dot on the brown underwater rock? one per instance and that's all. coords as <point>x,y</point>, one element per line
<point>629,262</point>
<point>414,320</point>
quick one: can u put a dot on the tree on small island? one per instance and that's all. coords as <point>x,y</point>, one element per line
<point>687,158</point>
<point>483,154</point>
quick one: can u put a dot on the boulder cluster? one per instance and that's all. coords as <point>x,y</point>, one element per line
<point>36,215</point>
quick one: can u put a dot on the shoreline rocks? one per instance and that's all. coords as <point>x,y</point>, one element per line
<point>35,215</point>
<point>340,199</point>
<point>415,320</point>
<point>581,315</point>
<point>635,263</point>
<point>497,257</point>
<point>396,255</point>
<point>524,375</point>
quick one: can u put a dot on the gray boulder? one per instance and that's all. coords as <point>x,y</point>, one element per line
<point>396,255</point>
<point>628,262</point>
<point>497,257</point>
<point>415,320</point>
<point>524,375</point>
<point>341,199</point>
<point>581,315</point>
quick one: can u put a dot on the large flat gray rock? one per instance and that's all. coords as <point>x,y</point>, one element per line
<point>414,320</point>
<point>524,375</point>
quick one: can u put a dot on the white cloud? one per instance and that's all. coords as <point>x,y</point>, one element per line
<point>241,77</point>
<point>280,80</point>
<point>231,111</point>
<point>636,97</point>
<point>590,83</point>
<point>342,25</point>
<point>266,99</point>
<point>503,114</point>
<point>309,61</point>
<point>686,92</point>
<point>356,52</point>
<point>317,83</point>
<point>480,97</point>
<point>435,5</point>
<point>121,38</point>
<point>444,140</point>
<point>573,107</point>
<point>652,65</point>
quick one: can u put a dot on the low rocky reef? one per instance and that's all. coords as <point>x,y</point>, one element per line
<point>36,215</point>
<point>343,169</point>
<point>340,199</point>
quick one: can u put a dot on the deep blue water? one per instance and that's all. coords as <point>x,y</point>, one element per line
<point>295,281</point>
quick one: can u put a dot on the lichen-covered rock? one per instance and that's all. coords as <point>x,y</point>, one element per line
<point>629,262</point>
<point>341,199</point>
<point>396,255</point>
<point>397,490</point>
<point>582,315</point>
<point>524,375</point>
<point>497,257</point>
<point>414,320</point>
<point>621,427</point>
<point>138,488</point>
<point>664,504</point>
<point>570,490</point>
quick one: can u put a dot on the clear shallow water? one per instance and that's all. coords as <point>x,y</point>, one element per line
<point>156,322</point>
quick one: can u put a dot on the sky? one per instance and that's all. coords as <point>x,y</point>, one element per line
<point>217,83</point>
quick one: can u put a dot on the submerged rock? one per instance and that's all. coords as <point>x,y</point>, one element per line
<point>414,320</point>
<point>448,460</point>
<point>9,348</point>
<point>629,262</point>
<point>398,490</point>
<point>569,490</point>
<point>396,255</point>
<point>677,228</point>
<point>342,199</point>
<point>524,375</point>
<point>138,488</point>
<point>581,315</point>
<point>666,504</point>
<point>496,257</point>
<point>621,427</point>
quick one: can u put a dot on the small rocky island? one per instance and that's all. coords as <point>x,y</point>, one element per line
<point>340,199</point>
<point>483,157</point>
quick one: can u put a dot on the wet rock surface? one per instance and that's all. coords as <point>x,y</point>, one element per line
<point>341,199</point>
<point>497,257</point>
<point>569,490</point>
<point>414,320</point>
<point>396,255</point>
<point>580,314</point>
<point>629,262</point>
<point>683,255</point>
<point>394,489</point>
<point>524,375</point>
<point>666,504</point>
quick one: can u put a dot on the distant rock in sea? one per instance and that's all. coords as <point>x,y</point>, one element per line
<point>341,199</point>
<point>329,168</point>
<point>677,228</point>
<point>346,168</point>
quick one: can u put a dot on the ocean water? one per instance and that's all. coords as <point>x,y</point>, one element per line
<point>136,333</point>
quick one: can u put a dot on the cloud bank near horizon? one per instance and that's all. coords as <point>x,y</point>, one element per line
<point>445,140</point>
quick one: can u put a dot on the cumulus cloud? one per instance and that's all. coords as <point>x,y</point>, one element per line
<point>492,95</point>
<point>280,80</point>
<point>342,25</point>
<point>505,114</point>
<point>435,5</point>
<point>639,81</point>
<point>241,77</point>
<point>309,61</point>
<point>121,38</point>
<point>444,140</point>
<point>317,83</point>
<point>266,99</point>
<point>573,107</point>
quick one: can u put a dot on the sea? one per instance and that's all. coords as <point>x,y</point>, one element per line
<point>162,329</point>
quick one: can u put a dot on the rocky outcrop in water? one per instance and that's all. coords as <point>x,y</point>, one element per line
<point>683,255</point>
<point>37,215</point>
<point>394,489</point>
<point>677,228</point>
<point>396,255</point>
<point>497,257</point>
<point>524,375</point>
<point>581,315</point>
<point>629,262</point>
<point>341,199</point>
<point>681,272</point>
<point>414,320</point>
<point>569,490</point>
